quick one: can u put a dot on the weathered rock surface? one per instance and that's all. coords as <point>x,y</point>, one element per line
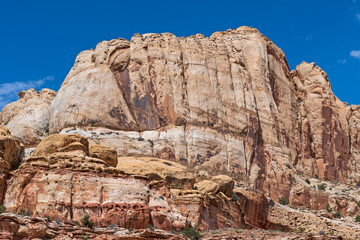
<point>19,227</point>
<point>254,205</point>
<point>63,182</point>
<point>220,183</point>
<point>10,148</point>
<point>175,174</point>
<point>227,104</point>
<point>61,143</point>
<point>324,127</point>
<point>10,152</point>
<point>178,131</point>
<point>104,153</point>
<point>213,93</point>
<point>28,118</point>
<point>289,219</point>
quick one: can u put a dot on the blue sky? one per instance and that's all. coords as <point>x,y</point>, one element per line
<point>40,39</point>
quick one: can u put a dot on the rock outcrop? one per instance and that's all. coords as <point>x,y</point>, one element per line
<point>213,94</point>
<point>184,131</point>
<point>10,151</point>
<point>104,153</point>
<point>61,143</point>
<point>28,117</point>
<point>227,104</point>
<point>62,181</point>
<point>19,227</point>
<point>324,146</point>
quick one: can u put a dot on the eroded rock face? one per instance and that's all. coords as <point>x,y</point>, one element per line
<point>226,104</point>
<point>180,124</point>
<point>18,227</point>
<point>104,153</point>
<point>175,174</point>
<point>62,181</point>
<point>220,183</point>
<point>289,219</point>
<point>10,152</point>
<point>28,117</point>
<point>324,127</point>
<point>61,143</point>
<point>254,205</point>
<point>216,95</point>
<point>10,148</point>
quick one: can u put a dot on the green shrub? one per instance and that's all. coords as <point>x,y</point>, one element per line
<point>112,226</point>
<point>283,201</point>
<point>151,227</point>
<point>337,214</point>
<point>22,212</point>
<point>87,222</point>
<point>307,181</point>
<point>15,165</point>
<point>328,208</point>
<point>358,184</point>
<point>357,219</point>
<point>140,139</point>
<point>83,237</point>
<point>358,203</point>
<point>47,217</point>
<point>2,209</point>
<point>191,233</point>
<point>151,142</point>
<point>76,223</point>
<point>321,186</point>
<point>235,197</point>
<point>301,230</point>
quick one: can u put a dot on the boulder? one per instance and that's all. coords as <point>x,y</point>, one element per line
<point>104,153</point>
<point>175,174</point>
<point>61,143</point>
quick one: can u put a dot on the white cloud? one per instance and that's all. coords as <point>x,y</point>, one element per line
<point>341,61</point>
<point>9,91</point>
<point>308,37</point>
<point>358,16</point>
<point>355,54</point>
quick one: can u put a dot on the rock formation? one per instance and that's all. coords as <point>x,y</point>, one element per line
<point>28,117</point>
<point>227,104</point>
<point>10,152</point>
<point>185,131</point>
<point>64,183</point>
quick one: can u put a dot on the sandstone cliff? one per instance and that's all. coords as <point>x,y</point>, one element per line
<point>195,130</point>
<point>227,104</point>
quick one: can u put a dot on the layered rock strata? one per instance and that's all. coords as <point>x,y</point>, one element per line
<point>61,181</point>
<point>227,104</point>
<point>196,131</point>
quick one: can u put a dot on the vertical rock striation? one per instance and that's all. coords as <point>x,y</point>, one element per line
<point>225,104</point>
<point>227,100</point>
